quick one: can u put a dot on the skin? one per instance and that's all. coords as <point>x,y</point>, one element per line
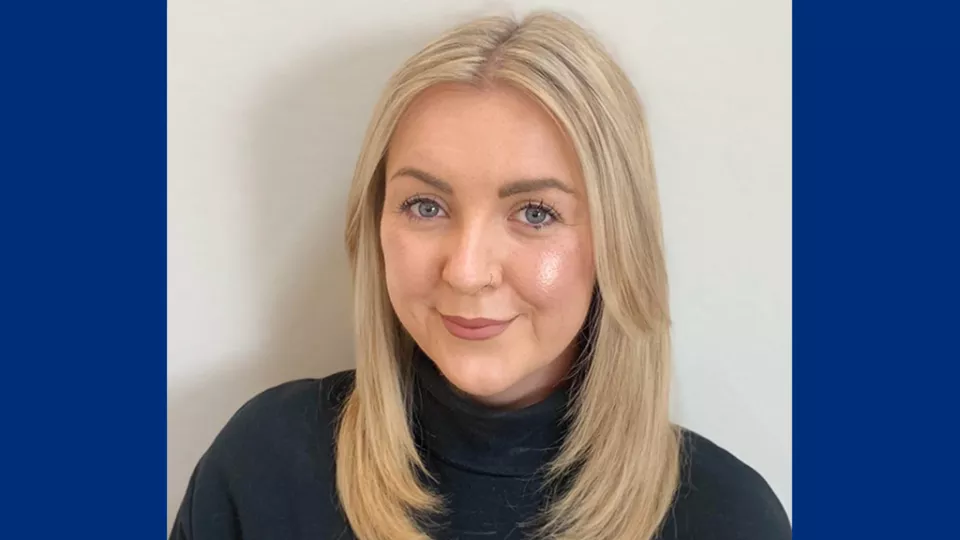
<point>485,216</point>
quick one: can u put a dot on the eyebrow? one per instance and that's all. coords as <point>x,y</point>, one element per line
<point>508,190</point>
<point>424,177</point>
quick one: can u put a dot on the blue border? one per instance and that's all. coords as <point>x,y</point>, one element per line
<point>875,259</point>
<point>83,272</point>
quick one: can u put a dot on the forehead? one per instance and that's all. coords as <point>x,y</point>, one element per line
<point>457,130</point>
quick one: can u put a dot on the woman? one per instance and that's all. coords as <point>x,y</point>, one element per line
<point>512,328</point>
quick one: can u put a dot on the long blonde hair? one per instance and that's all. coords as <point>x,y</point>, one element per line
<point>619,463</point>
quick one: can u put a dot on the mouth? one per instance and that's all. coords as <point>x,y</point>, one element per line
<point>475,329</point>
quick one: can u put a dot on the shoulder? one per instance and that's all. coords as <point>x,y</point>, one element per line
<point>293,402</point>
<point>302,410</point>
<point>296,418</point>
<point>722,497</point>
<point>280,441</point>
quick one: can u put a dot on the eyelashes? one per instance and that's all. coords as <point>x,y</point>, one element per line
<point>532,213</point>
<point>421,207</point>
<point>537,214</point>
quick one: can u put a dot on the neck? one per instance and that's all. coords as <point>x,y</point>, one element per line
<point>495,440</point>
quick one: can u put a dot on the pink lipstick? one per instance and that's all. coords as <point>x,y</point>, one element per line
<point>474,329</point>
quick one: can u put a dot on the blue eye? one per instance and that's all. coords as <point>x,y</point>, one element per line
<point>426,209</point>
<point>421,208</point>
<point>537,215</point>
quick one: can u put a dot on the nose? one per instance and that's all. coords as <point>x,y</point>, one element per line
<point>472,265</point>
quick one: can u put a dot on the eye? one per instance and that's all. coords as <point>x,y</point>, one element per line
<point>426,209</point>
<point>422,208</point>
<point>537,214</point>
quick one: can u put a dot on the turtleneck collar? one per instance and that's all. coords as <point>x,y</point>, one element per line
<point>463,432</point>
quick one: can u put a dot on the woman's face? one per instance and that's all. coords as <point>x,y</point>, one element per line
<point>486,240</point>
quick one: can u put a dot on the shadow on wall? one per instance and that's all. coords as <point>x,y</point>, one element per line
<point>305,134</point>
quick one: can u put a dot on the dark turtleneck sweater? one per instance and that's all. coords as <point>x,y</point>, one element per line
<point>269,474</point>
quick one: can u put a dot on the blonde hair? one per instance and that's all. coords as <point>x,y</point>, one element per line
<point>619,464</point>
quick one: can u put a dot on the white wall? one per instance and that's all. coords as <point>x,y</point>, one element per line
<point>268,101</point>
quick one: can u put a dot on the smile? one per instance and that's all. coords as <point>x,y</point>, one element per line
<point>474,329</point>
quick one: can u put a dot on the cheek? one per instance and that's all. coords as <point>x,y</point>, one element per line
<point>407,263</point>
<point>555,281</point>
<point>549,267</point>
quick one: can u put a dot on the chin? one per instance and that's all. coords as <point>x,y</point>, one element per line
<point>481,376</point>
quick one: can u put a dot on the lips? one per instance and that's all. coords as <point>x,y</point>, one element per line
<point>474,329</point>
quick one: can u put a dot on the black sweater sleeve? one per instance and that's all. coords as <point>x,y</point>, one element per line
<point>269,472</point>
<point>206,512</point>
<point>722,498</point>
